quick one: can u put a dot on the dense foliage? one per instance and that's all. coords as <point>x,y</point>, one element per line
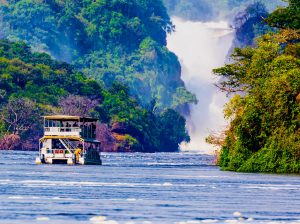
<point>37,76</point>
<point>153,132</point>
<point>288,17</point>
<point>264,114</point>
<point>117,40</point>
<point>33,84</point>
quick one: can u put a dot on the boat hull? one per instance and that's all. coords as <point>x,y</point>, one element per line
<point>89,158</point>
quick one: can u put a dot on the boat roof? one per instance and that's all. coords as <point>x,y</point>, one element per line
<point>69,118</point>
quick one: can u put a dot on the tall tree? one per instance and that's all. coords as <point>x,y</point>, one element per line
<point>264,116</point>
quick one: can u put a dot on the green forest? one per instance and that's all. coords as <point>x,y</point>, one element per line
<point>106,59</point>
<point>108,40</point>
<point>264,110</point>
<point>33,84</point>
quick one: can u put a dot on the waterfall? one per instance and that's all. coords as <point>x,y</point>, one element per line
<point>201,47</point>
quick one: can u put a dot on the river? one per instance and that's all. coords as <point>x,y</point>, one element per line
<point>142,188</point>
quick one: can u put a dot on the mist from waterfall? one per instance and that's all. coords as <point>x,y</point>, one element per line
<point>201,47</point>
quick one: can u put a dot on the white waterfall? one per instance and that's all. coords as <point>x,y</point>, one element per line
<point>202,47</point>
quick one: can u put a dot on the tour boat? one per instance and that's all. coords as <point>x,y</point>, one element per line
<point>69,140</point>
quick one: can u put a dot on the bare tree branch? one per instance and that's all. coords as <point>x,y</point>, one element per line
<point>19,115</point>
<point>77,105</point>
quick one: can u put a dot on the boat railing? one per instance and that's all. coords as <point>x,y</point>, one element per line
<point>84,131</point>
<point>62,131</point>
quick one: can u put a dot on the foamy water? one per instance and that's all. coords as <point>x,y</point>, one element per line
<point>201,47</point>
<point>177,188</point>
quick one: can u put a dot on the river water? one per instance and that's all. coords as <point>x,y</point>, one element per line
<point>142,188</point>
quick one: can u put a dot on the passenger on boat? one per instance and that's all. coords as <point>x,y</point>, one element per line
<point>77,153</point>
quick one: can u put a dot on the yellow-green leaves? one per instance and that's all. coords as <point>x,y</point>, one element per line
<point>265,117</point>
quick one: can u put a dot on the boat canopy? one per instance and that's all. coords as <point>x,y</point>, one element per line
<point>69,118</point>
<point>74,138</point>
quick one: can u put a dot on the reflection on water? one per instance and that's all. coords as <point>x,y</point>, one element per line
<point>142,188</point>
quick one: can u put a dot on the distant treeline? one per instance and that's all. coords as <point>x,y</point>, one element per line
<point>213,10</point>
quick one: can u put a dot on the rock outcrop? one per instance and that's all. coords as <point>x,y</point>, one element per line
<point>115,138</point>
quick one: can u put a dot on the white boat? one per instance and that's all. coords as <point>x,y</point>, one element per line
<point>69,140</point>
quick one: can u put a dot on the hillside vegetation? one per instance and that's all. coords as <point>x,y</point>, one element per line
<point>108,40</point>
<point>33,84</point>
<point>264,113</point>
